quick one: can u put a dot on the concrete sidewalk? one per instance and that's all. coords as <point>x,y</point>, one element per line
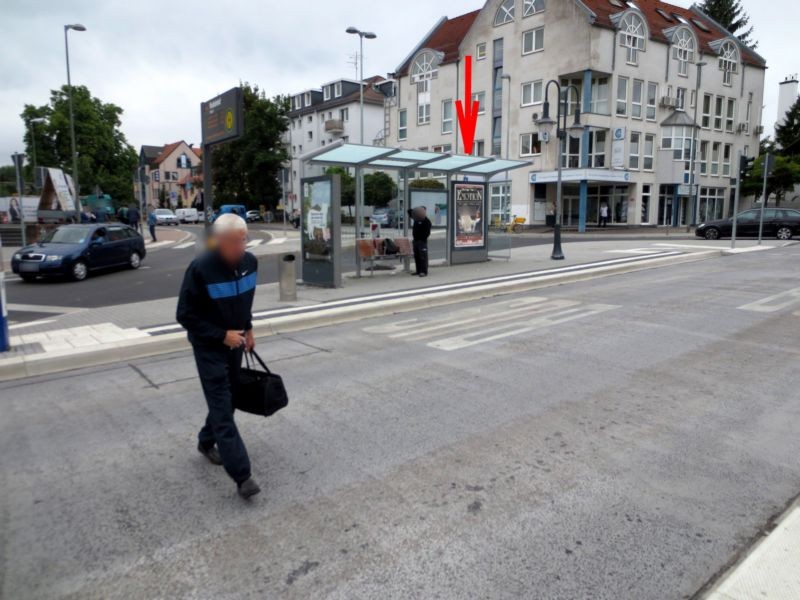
<point>104,335</point>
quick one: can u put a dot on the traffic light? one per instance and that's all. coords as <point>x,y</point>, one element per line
<point>746,164</point>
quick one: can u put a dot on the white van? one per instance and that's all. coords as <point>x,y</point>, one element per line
<point>187,215</point>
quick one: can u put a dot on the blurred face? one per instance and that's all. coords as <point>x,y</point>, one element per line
<point>231,245</point>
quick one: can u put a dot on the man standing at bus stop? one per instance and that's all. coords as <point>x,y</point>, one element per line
<point>421,231</point>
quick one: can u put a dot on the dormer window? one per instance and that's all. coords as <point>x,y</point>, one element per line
<point>728,61</point>
<point>337,89</point>
<point>184,162</point>
<point>683,50</point>
<point>632,35</point>
<point>504,14</point>
<point>425,67</point>
<point>326,93</point>
<point>307,101</point>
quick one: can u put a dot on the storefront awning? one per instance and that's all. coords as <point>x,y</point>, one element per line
<point>377,157</point>
<point>590,175</point>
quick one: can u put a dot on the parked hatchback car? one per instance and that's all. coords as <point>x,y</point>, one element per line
<point>75,250</point>
<point>780,223</point>
<point>385,217</point>
<point>165,216</point>
<point>253,215</point>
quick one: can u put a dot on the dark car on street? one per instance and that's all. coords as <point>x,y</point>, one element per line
<point>75,250</point>
<point>780,223</point>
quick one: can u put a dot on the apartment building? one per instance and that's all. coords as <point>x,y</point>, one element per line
<point>319,117</point>
<point>634,69</point>
<point>172,173</point>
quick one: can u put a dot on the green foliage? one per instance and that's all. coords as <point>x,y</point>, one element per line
<point>785,176</point>
<point>732,16</point>
<point>787,136</point>
<point>105,158</point>
<point>426,184</point>
<point>348,183</point>
<point>379,189</point>
<point>8,180</point>
<point>247,171</point>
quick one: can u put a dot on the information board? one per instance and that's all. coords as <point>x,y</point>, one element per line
<point>320,234</point>
<point>469,226</point>
<point>222,118</point>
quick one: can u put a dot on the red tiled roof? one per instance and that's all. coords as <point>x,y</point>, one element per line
<point>446,38</point>
<point>166,151</point>
<point>198,151</point>
<point>603,9</point>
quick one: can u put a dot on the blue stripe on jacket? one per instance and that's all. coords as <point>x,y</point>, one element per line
<point>229,289</point>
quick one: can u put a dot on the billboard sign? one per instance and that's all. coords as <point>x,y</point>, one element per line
<point>320,235</point>
<point>222,118</point>
<point>469,215</point>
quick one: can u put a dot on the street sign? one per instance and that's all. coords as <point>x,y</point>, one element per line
<point>222,117</point>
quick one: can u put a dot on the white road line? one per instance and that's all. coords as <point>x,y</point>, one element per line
<point>254,243</point>
<point>699,246</point>
<point>184,245</point>
<point>275,241</point>
<point>772,304</point>
<point>32,324</point>
<point>643,251</point>
<point>41,308</point>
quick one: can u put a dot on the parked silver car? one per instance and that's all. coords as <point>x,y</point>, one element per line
<point>165,216</point>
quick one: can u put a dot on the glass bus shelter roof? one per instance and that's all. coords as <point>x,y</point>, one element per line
<point>379,157</point>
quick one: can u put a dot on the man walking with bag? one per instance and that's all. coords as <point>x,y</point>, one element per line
<point>421,231</point>
<point>215,308</point>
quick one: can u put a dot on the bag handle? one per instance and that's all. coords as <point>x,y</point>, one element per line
<point>258,358</point>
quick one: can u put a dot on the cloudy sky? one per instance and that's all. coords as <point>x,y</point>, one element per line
<point>159,60</point>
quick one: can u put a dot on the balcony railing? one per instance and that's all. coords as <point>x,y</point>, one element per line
<point>334,126</point>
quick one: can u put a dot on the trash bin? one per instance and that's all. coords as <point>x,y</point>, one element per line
<point>287,279</point>
<point>550,220</point>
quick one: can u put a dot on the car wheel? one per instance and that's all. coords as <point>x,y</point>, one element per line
<point>135,261</point>
<point>784,233</point>
<point>712,233</point>
<point>79,270</point>
<point>27,277</point>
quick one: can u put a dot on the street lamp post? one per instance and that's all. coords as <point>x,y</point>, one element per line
<point>33,144</point>
<point>74,27</point>
<point>693,179</point>
<point>546,124</point>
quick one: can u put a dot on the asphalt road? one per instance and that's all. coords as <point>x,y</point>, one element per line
<point>619,438</point>
<point>162,273</point>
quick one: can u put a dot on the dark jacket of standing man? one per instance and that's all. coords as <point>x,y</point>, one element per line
<point>421,231</point>
<point>215,307</point>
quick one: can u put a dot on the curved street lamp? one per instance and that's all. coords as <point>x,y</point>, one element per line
<point>73,27</point>
<point>575,131</point>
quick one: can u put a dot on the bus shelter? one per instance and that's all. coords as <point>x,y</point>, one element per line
<point>467,201</point>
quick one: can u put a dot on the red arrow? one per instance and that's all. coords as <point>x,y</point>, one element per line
<point>467,117</point>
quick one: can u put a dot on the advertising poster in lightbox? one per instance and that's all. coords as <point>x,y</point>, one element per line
<point>469,226</point>
<point>318,221</point>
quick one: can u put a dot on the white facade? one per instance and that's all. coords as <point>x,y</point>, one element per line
<point>787,96</point>
<point>635,78</point>
<point>322,116</point>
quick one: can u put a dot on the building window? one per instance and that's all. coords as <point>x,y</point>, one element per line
<point>652,100</point>
<point>423,114</point>
<point>529,144</point>
<point>500,202</point>
<point>683,50</point>
<point>402,125</point>
<point>447,116</point>
<point>747,115</point>
<point>337,89</point>
<point>533,40</point>
<point>184,162</point>
<point>597,149</point>
<point>728,60</point>
<point>344,114</point>
<point>718,113</point>
<point>646,192</point>
<point>478,148</point>
<point>706,119</point>
<point>423,102</point>
<point>681,99</point>
<point>599,103</point>
<point>480,98</point>
<point>504,14</point>
<point>531,7</point>
<point>532,93</point>
<point>633,161</point>
<point>480,51</point>
<point>572,153</point>
<point>715,159</point>
<point>307,101</point>
<point>679,140</point>
<point>637,98</point>
<point>712,203</point>
<point>692,99</point>
<point>310,118</point>
<point>425,67</point>
<point>442,148</point>
<point>497,135</point>
<point>622,96</point>
<point>730,116</point>
<point>726,160</point>
<point>326,93</point>
<point>632,37</point>
<point>310,135</point>
<point>649,151</point>
<point>703,158</point>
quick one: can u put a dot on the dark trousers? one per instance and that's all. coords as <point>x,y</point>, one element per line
<point>219,371</point>
<point>603,221</point>
<point>153,232</point>
<point>421,256</point>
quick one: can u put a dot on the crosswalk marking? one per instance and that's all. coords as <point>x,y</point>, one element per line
<point>472,326</point>
<point>254,243</point>
<point>184,245</point>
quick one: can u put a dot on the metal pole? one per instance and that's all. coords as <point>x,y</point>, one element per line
<point>208,194</point>
<point>142,194</point>
<point>283,190</point>
<point>72,122</point>
<point>562,136</point>
<point>763,198</point>
<point>18,158</point>
<point>358,220</point>
<point>693,164</point>
<point>736,199</point>
<point>405,217</point>
<point>33,151</point>
<point>361,83</point>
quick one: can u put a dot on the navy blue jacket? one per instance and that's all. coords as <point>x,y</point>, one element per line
<point>215,298</point>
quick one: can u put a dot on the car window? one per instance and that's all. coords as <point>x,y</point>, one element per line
<point>790,214</point>
<point>749,215</point>
<point>115,234</point>
<point>67,235</point>
<point>163,211</point>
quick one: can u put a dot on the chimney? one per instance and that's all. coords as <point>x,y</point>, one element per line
<point>787,96</point>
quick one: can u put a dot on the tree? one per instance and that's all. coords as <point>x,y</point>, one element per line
<point>247,170</point>
<point>8,180</point>
<point>348,185</point>
<point>379,189</point>
<point>426,184</point>
<point>732,16</point>
<point>783,179</point>
<point>787,135</point>
<point>105,158</point>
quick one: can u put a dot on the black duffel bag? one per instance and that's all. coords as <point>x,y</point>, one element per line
<point>259,392</point>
